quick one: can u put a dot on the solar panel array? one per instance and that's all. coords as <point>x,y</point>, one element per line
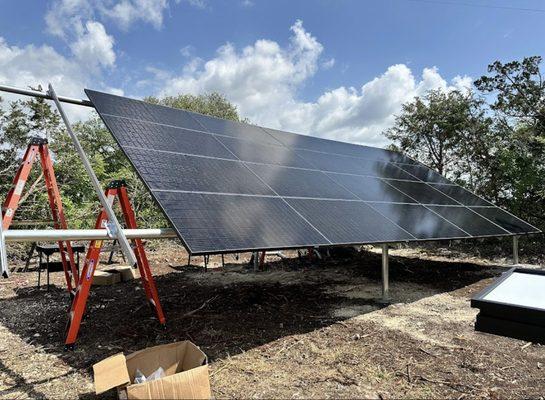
<point>227,186</point>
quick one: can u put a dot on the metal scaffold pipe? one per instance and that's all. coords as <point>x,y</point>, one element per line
<point>44,95</point>
<point>4,270</point>
<point>54,235</point>
<point>113,225</point>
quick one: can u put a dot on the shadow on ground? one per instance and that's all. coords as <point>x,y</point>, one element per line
<point>224,319</point>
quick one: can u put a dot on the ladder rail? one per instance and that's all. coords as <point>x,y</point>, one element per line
<point>57,212</point>
<point>11,203</point>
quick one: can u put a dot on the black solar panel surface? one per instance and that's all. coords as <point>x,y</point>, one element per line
<point>227,186</point>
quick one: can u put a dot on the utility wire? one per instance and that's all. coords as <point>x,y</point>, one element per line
<point>465,4</point>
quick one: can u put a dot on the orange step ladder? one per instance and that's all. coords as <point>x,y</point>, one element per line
<point>38,148</point>
<point>116,189</point>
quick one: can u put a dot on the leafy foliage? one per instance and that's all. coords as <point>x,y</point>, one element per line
<point>210,104</point>
<point>497,148</point>
<point>445,131</point>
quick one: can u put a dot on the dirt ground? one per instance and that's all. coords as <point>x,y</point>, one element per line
<point>298,329</point>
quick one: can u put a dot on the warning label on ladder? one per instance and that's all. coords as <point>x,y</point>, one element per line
<point>19,187</point>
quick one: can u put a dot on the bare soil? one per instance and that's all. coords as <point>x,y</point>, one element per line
<point>298,329</point>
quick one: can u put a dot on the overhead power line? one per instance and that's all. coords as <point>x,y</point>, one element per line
<point>492,6</point>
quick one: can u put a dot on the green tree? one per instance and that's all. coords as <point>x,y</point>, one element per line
<point>214,104</point>
<point>519,114</point>
<point>448,131</point>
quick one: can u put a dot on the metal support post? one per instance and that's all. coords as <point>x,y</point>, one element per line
<point>113,225</point>
<point>4,270</point>
<point>515,250</point>
<point>385,273</point>
<point>255,259</point>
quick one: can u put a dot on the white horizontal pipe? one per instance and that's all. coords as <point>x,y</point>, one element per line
<point>54,235</point>
<point>43,95</point>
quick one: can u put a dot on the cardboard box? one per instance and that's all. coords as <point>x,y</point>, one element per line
<point>126,271</point>
<point>185,366</point>
<point>104,278</point>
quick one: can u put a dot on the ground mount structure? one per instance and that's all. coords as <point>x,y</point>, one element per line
<point>227,186</point>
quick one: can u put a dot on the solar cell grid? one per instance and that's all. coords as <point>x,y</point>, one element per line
<point>473,223</point>
<point>227,186</point>
<point>148,135</point>
<point>349,222</point>
<point>504,219</point>
<point>235,129</point>
<point>422,192</point>
<point>420,221</point>
<point>463,196</point>
<point>351,165</point>
<point>168,171</point>
<point>423,173</point>
<point>140,110</point>
<point>291,182</point>
<point>370,188</point>
<point>304,142</point>
<point>210,222</point>
<point>250,151</point>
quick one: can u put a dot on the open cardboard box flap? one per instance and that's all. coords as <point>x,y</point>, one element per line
<point>183,362</point>
<point>110,373</point>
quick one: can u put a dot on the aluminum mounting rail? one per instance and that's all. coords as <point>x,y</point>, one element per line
<point>54,235</point>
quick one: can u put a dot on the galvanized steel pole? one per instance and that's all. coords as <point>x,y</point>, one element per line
<point>35,93</point>
<point>515,250</point>
<point>4,270</point>
<point>385,273</point>
<point>55,235</point>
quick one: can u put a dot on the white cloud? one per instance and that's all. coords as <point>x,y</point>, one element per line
<point>328,64</point>
<point>186,51</point>
<point>127,12</point>
<point>194,3</point>
<point>66,16</point>
<point>34,66</point>
<point>39,65</point>
<point>94,47</point>
<point>264,81</point>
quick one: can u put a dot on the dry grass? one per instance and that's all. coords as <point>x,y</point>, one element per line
<point>293,331</point>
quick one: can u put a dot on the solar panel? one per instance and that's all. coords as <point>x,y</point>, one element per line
<point>228,186</point>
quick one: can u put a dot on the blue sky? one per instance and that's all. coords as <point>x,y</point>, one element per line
<point>337,69</point>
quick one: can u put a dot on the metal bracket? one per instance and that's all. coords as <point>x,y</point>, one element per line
<point>120,236</point>
<point>4,270</point>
